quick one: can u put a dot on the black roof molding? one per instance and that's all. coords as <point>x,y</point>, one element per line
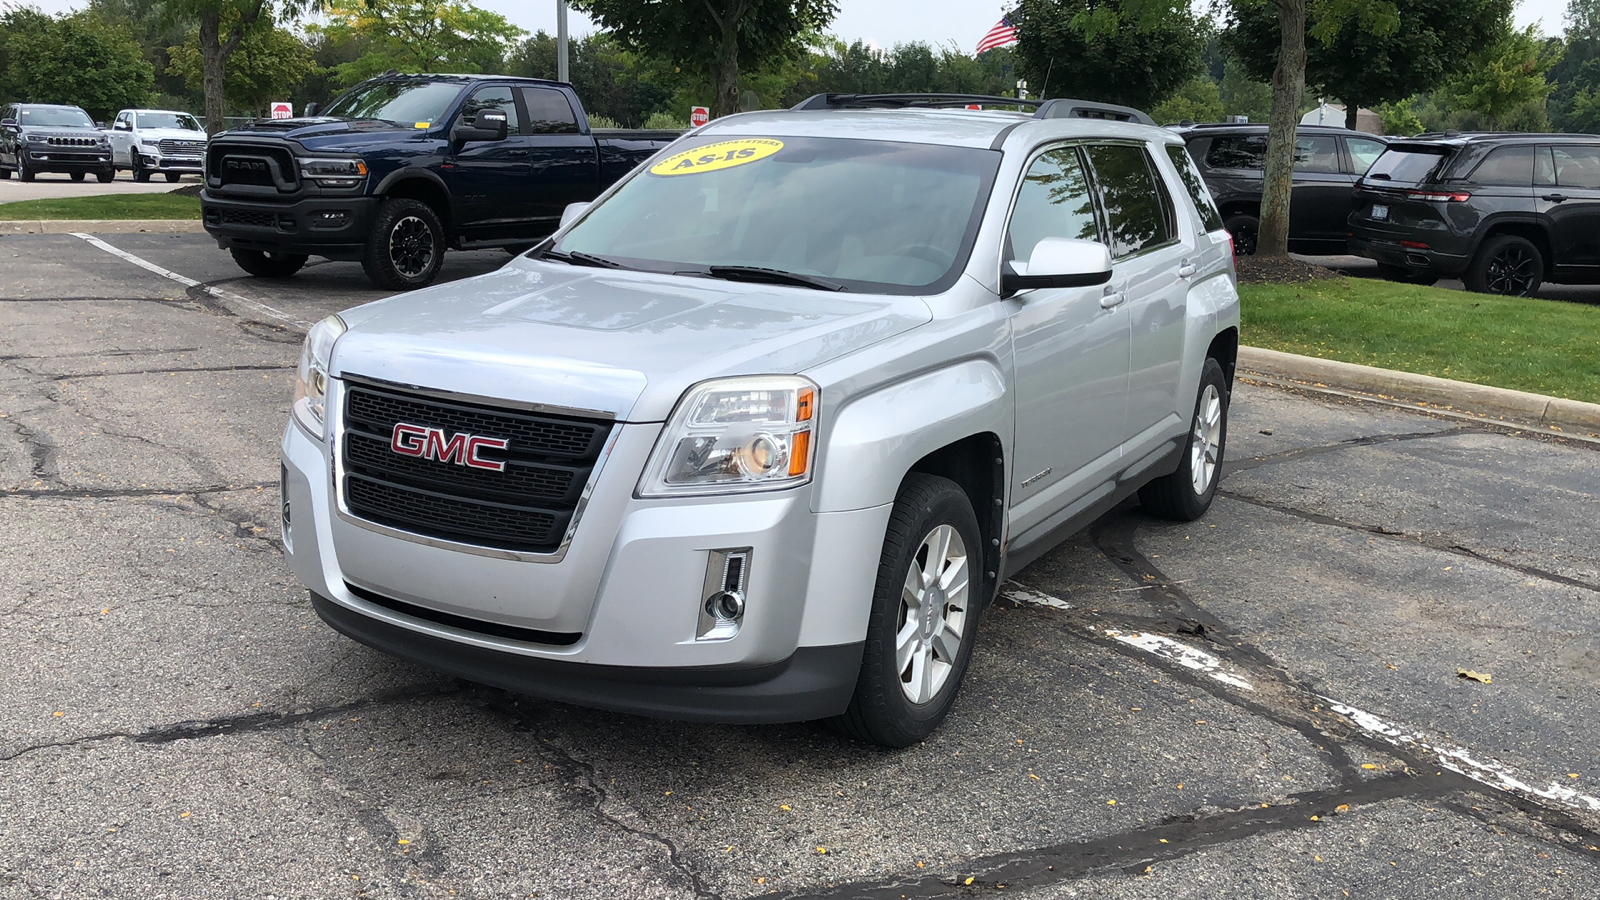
<point>1042,109</point>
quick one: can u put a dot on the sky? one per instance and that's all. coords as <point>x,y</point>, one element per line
<point>882,23</point>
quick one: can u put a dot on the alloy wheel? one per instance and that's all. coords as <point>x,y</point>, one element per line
<point>1206,443</point>
<point>933,614</point>
<point>1510,273</point>
<point>411,246</point>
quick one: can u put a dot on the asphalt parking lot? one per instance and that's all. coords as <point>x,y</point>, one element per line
<point>1262,703</point>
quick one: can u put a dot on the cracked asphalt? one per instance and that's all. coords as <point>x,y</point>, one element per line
<point>1262,703</point>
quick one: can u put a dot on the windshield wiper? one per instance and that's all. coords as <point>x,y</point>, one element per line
<point>772,276</point>
<point>580,258</point>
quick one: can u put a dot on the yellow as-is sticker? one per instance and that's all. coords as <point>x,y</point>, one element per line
<point>721,155</point>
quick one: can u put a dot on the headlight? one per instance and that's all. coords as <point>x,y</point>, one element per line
<point>311,378</point>
<point>734,435</point>
<point>334,173</point>
<point>29,137</point>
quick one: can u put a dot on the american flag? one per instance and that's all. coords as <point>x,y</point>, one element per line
<point>1004,32</point>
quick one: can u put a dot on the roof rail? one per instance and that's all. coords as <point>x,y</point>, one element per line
<point>1042,109</point>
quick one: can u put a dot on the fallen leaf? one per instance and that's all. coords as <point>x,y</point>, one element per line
<point>404,841</point>
<point>1111,803</point>
<point>1368,766</point>
<point>1475,676</point>
<point>1317,858</point>
<point>784,807</point>
<point>968,881</point>
<point>185,814</point>
<point>822,849</point>
<point>1343,807</point>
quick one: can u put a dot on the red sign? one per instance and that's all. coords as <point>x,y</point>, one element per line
<point>282,110</point>
<point>699,116</point>
<point>976,106</point>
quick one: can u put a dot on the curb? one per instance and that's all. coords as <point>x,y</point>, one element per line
<point>102,226</point>
<point>1554,414</point>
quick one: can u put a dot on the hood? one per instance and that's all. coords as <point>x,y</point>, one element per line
<point>176,134</point>
<point>63,130</point>
<point>627,343</point>
<point>329,134</point>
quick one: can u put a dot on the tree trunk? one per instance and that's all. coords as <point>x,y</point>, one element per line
<point>726,101</point>
<point>1352,112</point>
<point>211,60</point>
<point>1288,86</point>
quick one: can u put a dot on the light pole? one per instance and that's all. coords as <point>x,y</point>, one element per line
<point>561,40</point>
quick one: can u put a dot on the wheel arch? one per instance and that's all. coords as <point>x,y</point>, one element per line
<point>1531,230</point>
<point>977,463</point>
<point>1225,350</point>
<point>422,186</point>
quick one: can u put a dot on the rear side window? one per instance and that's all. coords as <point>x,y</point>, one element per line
<point>1237,152</point>
<point>1505,166</point>
<point>1577,167</point>
<point>1135,200</point>
<point>1196,188</point>
<point>1318,154</point>
<point>1054,201</point>
<point>1363,152</point>
<point>1408,164</point>
<point>549,112</point>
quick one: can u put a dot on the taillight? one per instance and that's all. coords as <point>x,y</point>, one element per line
<point>1442,196</point>
<point>1414,245</point>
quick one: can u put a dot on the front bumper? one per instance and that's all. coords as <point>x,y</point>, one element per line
<point>624,598</point>
<point>46,159</point>
<point>335,227</point>
<point>194,164</point>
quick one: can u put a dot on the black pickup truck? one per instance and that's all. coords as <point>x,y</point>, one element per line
<point>402,167</point>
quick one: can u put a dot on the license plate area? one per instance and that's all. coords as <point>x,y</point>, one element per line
<point>1380,213</point>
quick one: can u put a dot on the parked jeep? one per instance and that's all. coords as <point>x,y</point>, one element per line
<point>41,137</point>
<point>1504,212</point>
<point>1327,163</point>
<point>147,142</point>
<point>757,436</point>
<point>402,167</point>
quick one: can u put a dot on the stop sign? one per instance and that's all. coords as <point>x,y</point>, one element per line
<point>282,111</point>
<point>699,116</point>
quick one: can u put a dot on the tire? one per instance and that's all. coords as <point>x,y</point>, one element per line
<point>1186,494</point>
<point>902,695</point>
<point>76,176</point>
<point>172,177</point>
<point>1507,265</point>
<point>140,173</point>
<point>262,264</point>
<point>1245,229</point>
<point>107,176</point>
<point>23,172</point>
<point>406,247</point>
<point>1403,275</point>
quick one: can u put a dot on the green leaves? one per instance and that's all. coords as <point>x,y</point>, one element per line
<point>72,59</point>
<point>417,36</point>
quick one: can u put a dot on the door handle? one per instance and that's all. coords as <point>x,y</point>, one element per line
<point>1186,269</point>
<point>1112,298</point>
<point>1554,198</point>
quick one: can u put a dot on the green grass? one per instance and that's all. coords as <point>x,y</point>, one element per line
<point>1544,346</point>
<point>105,206</point>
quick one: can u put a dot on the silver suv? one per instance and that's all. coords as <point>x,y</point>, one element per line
<point>757,435</point>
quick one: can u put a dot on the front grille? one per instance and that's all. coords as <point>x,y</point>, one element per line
<point>175,146</point>
<point>72,142</point>
<point>252,165</point>
<point>526,507</point>
<point>249,217</point>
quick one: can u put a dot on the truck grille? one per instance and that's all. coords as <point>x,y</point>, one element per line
<point>526,507</point>
<point>252,165</point>
<point>73,142</point>
<point>174,146</point>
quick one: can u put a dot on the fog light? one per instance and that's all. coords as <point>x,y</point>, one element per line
<point>722,609</point>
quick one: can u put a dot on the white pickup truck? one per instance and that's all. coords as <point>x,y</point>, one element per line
<point>151,141</point>
<point>757,435</point>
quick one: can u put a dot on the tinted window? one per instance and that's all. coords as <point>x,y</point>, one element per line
<point>492,98</point>
<point>1578,166</point>
<point>1237,152</point>
<point>1054,201</point>
<point>1319,154</point>
<point>1508,166</point>
<point>1133,198</point>
<point>549,112</point>
<point>1196,187</point>
<point>1363,152</point>
<point>1410,165</point>
<point>419,103</point>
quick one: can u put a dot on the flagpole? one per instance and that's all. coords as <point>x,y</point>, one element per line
<point>561,40</point>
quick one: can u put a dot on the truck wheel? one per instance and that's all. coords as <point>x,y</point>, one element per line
<point>1186,494</point>
<point>263,264</point>
<point>406,247</point>
<point>107,176</point>
<point>1507,265</point>
<point>23,172</point>
<point>924,616</point>
<point>76,176</point>
<point>1245,229</point>
<point>140,173</point>
<point>172,177</point>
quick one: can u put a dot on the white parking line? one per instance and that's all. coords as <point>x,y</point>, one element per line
<point>186,281</point>
<point>1458,759</point>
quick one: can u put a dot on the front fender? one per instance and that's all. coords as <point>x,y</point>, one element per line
<point>875,439</point>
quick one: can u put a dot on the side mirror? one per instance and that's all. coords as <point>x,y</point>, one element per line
<point>8,123</point>
<point>310,111</point>
<point>489,125</point>
<point>1058,262</point>
<point>122,126</point>
<point>572,212</point>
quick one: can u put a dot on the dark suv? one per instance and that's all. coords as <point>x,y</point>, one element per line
<point>40,137</point>
<point>1504,212</point>
<point>1327,163</point>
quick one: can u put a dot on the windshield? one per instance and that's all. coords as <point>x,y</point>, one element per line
<point>869,215</point>
<point>60,116</point>
<point>1409,165</point>
<point>182,121</point>
<point>418,103</point>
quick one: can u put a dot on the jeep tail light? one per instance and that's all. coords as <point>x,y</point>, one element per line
<point>1441,196</point>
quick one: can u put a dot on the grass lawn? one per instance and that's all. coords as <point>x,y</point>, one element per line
<point>105,206</point>
<point>1544,346</point>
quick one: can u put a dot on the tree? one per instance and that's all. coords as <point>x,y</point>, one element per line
<point>419,36</point>
<point>714,39</point>
<point>268,64</point>
<point>1133,52</point>
<point>1509,74</point>
<point>1576,75</point>
<point>222,25</point>
<point>1366,66</point>
<point>73,59</point>
<point>1198,100</point>
<point>1243,95</point>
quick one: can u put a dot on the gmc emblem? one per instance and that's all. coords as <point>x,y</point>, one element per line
<point>435,444</point>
